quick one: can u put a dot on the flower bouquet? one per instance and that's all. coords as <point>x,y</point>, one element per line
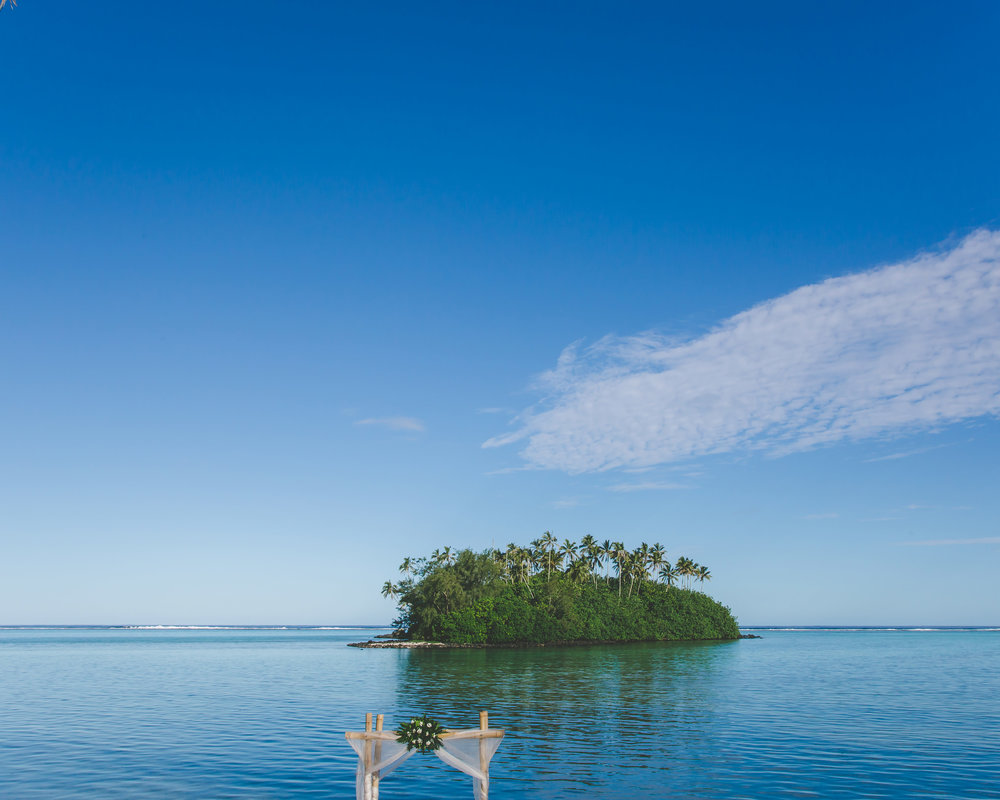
<point>420,733</point>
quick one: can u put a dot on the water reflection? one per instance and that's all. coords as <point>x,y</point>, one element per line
<point>573,712</point>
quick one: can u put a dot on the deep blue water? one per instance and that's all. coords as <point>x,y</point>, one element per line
<point>115,713</point>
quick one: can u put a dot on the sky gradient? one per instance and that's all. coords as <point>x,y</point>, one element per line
<point>291,292</point>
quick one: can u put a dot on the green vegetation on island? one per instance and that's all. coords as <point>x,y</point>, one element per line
<point>547,592</point>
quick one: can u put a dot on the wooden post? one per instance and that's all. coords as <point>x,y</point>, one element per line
<point>368,757</point>
<point>484,723</point>
<point>379,720</point>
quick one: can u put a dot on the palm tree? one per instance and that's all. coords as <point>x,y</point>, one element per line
<point>510,554</point>
<point>388,590</point>
<point>537,552</point>
<point>536,556</point>
<point>447,557</point>
<point>687,569</point>
<point>682,568</point>
<point>508,559</point>
<point>524,560</point>
<point>549,547</point>
<point>514,560</point>
<point>607,555</point>
<point>406,567</point>
<point>639,567</point>
<point>578,570</point>
<point>499,558</point>
<point>568,551</point>
<point>620,555</point>
<point>628,568</point>
<point>668,574</point>
<point>703,574</point>
<point>657,555</point>
<point>592,552</point>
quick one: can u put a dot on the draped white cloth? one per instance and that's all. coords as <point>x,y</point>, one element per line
<point>379,754</point>
<point>470,753</point>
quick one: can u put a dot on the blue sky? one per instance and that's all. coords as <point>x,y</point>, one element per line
<point>723,277</point>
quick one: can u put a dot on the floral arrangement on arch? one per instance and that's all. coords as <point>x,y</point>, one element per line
<point>420,733</point>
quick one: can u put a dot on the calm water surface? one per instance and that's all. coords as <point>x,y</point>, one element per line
<point>262,714</point>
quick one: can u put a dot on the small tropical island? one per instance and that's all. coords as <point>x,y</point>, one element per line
<point>552,593</point>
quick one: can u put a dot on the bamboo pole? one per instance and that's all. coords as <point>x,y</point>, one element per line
<point>390,736</point>
<point>368,757</point>
<point>484,724</point>
<point>378,754</point>
<point>475,733</point>
<point>386,736</point>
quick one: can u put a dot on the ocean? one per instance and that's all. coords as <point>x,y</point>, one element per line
<point>261,713</point>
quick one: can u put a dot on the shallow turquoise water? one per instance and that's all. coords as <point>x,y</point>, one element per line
<point>261,713</point>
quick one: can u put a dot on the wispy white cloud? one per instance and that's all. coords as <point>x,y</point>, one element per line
<point>510,470</point>
<point>647,486</point>
<point>566,502</point>
<point>407,424</point>
<point>907,347</point>
<point>905,454</point>
<point>943,542</point>
<point>829,515</point>
<point>493,410</point>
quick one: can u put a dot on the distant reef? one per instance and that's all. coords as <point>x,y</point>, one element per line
<point>550,594</point>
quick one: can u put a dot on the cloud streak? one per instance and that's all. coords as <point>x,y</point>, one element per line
<point>905,454</point>
<point>907,347</point>
<point>566,502</point>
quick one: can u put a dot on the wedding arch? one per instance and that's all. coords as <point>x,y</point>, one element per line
<point>382,752</point>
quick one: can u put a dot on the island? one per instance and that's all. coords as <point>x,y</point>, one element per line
<point>552,593</point>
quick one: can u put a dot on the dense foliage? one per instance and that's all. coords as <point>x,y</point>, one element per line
<point>550,593</point>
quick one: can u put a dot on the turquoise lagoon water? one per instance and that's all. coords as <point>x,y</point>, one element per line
<point>101,713</point>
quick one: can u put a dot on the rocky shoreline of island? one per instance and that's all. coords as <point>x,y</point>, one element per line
<point>407,644</point>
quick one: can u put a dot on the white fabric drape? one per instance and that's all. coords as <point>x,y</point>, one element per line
<point>385,756</point>
<point>470,753</point>
<point>467,751</point>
